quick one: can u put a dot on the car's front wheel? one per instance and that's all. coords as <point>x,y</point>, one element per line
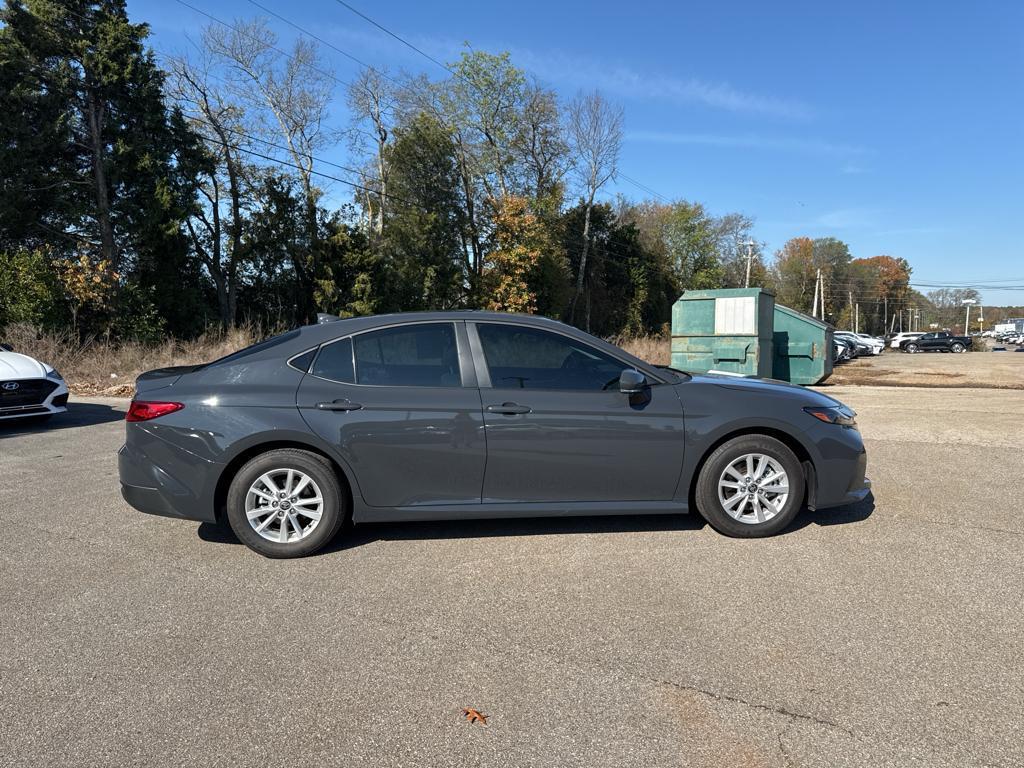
<point>286,503</point>
<point>750,486</point>
<point>958,347</point>
<point>912,348</point>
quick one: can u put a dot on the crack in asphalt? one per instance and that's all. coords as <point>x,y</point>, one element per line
<point>793,716</point>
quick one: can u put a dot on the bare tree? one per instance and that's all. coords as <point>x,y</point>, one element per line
<point>540,142</point>
<point>595,133</point>
<point>289,95</point>
<point>219,119</point>
<point>372,99</point>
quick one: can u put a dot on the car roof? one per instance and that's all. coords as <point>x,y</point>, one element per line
<point>308,336</point>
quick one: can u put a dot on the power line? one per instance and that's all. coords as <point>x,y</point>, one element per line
<point>211,17</point>
<point>400,39</point>
<point>320,40</point>
<point>459,75</point>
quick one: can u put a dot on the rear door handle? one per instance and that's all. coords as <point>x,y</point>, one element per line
<point>339,405</point>
<point>509,409</point>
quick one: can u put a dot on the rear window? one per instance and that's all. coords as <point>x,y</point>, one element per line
<point>241,354</point>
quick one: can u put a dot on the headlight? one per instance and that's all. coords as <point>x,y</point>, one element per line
<point>837,414</point>
<point>54,374</point>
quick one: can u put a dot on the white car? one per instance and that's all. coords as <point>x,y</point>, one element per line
<point>902,336</point>
<point>875,345</point>
<point>29,389</point>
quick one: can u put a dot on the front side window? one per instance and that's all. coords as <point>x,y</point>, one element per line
<point>528,358</point>
<point>421,355</point>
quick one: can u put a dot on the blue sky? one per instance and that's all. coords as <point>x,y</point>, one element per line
<point>894,126</point>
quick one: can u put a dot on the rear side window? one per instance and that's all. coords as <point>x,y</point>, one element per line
<point>421,355</point>
<point>335,362</point>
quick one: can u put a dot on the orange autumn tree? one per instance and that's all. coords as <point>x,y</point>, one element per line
<point>520,242</point>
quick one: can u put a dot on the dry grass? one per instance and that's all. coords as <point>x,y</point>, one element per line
<point>99,366</point>
<point>104,367</point>
<point>654,349</point>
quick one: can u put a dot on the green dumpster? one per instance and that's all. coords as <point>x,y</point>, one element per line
<point>728,330</point>
<point>803,347</point>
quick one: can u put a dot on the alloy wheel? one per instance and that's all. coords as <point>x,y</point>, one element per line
<point>284,505</point>
<point>753,488</point>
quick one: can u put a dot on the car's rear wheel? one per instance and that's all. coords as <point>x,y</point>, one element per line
<point>286,503</point>
<point>913,348</point>
<point>750,486</point>
<point>958,347</point>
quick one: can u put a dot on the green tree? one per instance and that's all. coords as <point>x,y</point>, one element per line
<point>79,76</point>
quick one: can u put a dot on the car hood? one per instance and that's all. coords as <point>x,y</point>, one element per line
<point>16,366</point>
<point>758,386</point>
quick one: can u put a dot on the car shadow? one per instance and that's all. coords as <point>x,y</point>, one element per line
<point>77,415</point>
<point>851,513</point>
<point>367,533</point>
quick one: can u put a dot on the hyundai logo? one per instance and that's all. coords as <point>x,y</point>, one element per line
<point>10,386</point>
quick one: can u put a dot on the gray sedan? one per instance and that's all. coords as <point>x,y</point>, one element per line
<point>441,415</point>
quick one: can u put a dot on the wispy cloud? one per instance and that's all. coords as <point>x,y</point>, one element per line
<point>630,83</point>
<point>810,146</point>
<point>853,169</point>
<point>847,218</point>
<point>571,71</point>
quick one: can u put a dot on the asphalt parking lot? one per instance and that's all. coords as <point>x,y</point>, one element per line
<point>885,634</point>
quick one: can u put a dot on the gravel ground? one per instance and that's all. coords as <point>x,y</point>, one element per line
<point>1000,370</point>
<point>884,634</point>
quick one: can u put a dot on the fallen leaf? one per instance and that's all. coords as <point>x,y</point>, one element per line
<point>474,716</point>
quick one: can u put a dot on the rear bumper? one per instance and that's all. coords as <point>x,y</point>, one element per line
<point>154,490</point>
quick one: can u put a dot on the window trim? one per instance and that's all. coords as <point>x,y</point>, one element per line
<point>484,374</point>
<point>460,348</point>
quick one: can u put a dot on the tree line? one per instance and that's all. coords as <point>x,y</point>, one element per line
<point>143,198</point>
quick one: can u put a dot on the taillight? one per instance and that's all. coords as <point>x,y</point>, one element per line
<point>142,410</point>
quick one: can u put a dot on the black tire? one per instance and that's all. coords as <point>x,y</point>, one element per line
<point>333,515</point>
<point>958,347</point>
<point>912,348</point>
<point>711,508</point>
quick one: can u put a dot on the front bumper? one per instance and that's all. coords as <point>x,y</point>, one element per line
<point>844,479</point>
<point>34,397</point>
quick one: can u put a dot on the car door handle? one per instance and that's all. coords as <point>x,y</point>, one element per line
<point>339,405</point>
<point>509,409</point>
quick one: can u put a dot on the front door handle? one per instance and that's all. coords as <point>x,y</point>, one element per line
<point>509,409</point>
<point>339,405</point>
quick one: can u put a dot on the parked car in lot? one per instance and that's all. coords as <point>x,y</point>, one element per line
<point>845,350</point>
<point>29,389</point>
<point>896,341</point>
<point>862,347</point>
<point>940,341</point>
<point>444,415</point>
<point>875,344</point>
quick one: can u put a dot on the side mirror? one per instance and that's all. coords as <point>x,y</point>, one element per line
<point>631,382</point>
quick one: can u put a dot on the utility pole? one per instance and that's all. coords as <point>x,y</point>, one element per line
<point>750,254</point>
<point>981,319</point>
<point>856,317</point>
<point>814,306</point>
<point>885,315</point>
<point>967,319</point>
